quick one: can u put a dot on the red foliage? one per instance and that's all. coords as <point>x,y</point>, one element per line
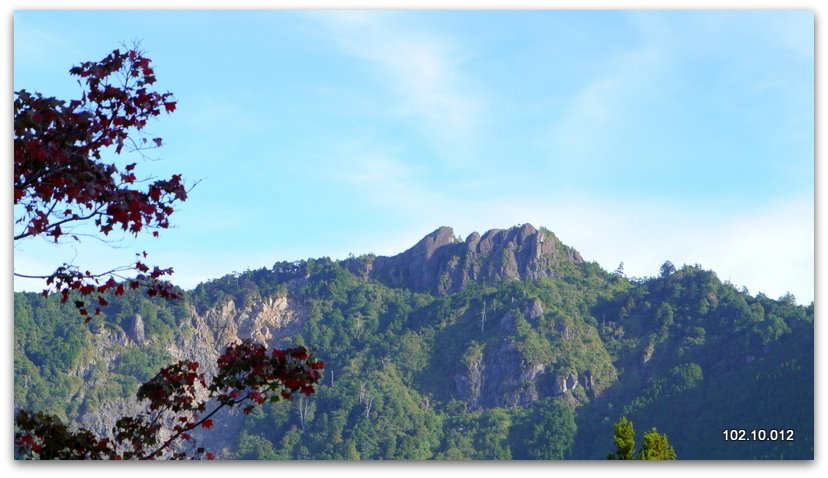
<point>181,396</point>
<point>63,187</point>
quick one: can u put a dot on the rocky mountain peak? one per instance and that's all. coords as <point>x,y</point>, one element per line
<point>442,263</point>
<point>441,237</point>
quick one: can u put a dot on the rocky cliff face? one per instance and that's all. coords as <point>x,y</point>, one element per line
<point>202,339</point>
<point>499,375</point>
<point>440,263</point>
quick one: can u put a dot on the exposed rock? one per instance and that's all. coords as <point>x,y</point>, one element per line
<point>468,384</point>
<point>565,384</point>
<point>572,381</point>
<point>440,263</point>
<point>588,382</point>
<point>472,240</point>
<point>648,352</point>
<point>533,372</point>
<point>533,310</point>
<point>564,330</point>
<point>501,378</point>
<point>271,320</point>
<point>135,329</point>
<point>502,384</point>
<point>560,385</point>
<point>508,321</point>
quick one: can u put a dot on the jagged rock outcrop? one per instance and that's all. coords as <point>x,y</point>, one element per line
<point>514,369</point>
<point>468,384</point>
<point>135,329</point>
<point>270,320</point>
<point>442,264</point>
<point>501,377</point>
<point>495,375</point>
<point>533,310</point>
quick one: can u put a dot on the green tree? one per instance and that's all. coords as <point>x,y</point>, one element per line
<point>179,394</point>
<point>656,447</point>
<point>667,269</point>
<point>624,440</point>
<point>351,452</point>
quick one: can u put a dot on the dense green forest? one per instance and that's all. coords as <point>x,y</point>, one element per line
<point>498,369</point>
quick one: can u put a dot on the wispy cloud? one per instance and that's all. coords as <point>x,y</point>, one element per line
<point>423,71</point>
<point>387,180</point>
<point>596,119</point>
<point>769,250</point>
<point>376,173</point>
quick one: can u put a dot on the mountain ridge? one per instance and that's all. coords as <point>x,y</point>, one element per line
<point>502,345</point>
<point>441,263</point>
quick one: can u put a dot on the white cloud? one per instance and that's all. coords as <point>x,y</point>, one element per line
<point>424,70</point>
<point>594,123</point>
<point>770,250</point>
<point>399,187</point>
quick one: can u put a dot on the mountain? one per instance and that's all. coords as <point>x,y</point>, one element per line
<point>506,345</point>
<point>440,263</point>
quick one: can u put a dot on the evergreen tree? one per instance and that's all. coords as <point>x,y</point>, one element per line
<point>656,447</point>
<point>624,440</point>
<point>667,269</point>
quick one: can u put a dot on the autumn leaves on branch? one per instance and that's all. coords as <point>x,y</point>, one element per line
<point>65,189</point>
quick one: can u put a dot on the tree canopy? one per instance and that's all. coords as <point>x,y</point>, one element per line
<point>655,445</point>
<point>65,188</point>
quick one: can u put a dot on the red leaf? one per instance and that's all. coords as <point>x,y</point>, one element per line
<point>170,106</point>
<point>299,353</point>
<point>207,423</point>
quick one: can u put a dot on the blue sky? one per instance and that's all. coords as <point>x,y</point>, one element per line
<point>635,136</point>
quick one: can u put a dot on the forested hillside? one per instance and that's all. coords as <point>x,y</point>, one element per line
<point>503,346</point>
